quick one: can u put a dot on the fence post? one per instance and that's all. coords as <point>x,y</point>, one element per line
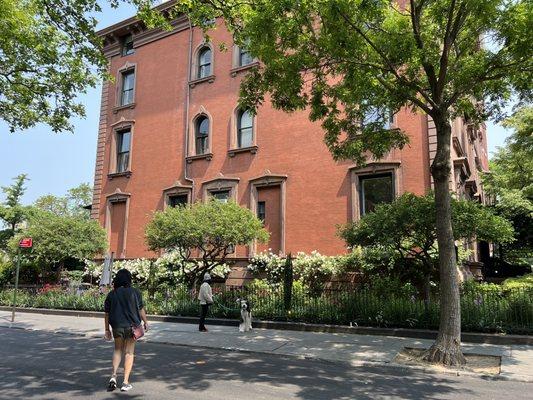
<point>287,283</point>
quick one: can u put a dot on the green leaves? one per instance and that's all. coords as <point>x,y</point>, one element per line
<point>56,238</point>
<point>49,54</point>
<point>408,226</point>
<point>211,226</point>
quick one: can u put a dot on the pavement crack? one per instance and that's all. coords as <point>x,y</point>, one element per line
<point>280,346</point>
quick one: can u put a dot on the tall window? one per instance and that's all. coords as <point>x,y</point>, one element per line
<point>245,128</point>
<point>128,82</point>
<point>374,190</point>
<point>177,200</point>
<point>221,195</point>
<point>127,45</point>
<point>202,135</point>
<point>245,57</point>
<point>204,63</point>
<point>123,150</point>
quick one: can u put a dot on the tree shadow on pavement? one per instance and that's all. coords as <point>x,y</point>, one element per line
<point>51,366</point>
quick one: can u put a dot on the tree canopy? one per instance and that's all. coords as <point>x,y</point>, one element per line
<point>57,238</point>
<point>12,212</point>
<point>204,233</point>
<point>70,205</point>
<point>408,227</point>
<point>49,54</point>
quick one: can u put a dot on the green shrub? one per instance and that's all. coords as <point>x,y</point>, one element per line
<point>522,282</point>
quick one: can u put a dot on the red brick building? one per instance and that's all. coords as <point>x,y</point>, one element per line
<point>171,132</point>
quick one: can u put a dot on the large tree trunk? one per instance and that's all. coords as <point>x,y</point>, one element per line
<point>447,348</point>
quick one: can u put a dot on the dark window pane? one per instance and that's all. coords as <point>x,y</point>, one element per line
<point>177,200</point>
<point>128,82</point>
<point>374,190</point>
<point>202,135</point>
<point>245,129</point>
<point>221,195</point>
<point>127,45</point>
<point>204,63</point>
<point>123,150</point>
<point>261,211</point>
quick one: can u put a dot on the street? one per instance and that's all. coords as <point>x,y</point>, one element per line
<point>43,365</point>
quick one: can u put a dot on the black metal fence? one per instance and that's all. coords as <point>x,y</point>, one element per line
<point>509,311</point>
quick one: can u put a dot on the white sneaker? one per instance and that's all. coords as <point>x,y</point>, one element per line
<point>126,387</point>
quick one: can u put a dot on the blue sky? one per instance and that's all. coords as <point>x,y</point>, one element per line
<point>57,162</point>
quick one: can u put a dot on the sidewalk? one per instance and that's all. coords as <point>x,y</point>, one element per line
<point>350,349</point>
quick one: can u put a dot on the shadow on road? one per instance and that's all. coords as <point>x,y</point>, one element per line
<point>51,366</point>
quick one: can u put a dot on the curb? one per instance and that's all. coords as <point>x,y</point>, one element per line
<point>354,364</point>
<point>466,337</point>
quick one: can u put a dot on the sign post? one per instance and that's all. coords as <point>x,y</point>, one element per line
<point>24,243</point>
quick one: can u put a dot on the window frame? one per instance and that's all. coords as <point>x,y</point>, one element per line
<point>125,49</point>
<point>131,91</point>
<point>240,128</point>
<point>199,120</point>
<point>176,195</point>
<point>213,192</point>
<point>199,67</point>
<point>119,140</point>
<point>367,177</point>
<point>242,51</point>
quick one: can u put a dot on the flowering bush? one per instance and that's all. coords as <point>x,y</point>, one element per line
<point>270,264</point>
<point>170,267</point>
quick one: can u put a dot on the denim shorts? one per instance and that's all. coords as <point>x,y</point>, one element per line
<point>124,333</point>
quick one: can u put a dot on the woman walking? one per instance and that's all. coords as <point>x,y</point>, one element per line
<point>206,299</point>
<point>124,310</point>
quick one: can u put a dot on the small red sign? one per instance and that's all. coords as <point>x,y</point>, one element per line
<point>26,242</point>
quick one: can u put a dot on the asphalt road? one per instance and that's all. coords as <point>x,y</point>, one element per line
<point>39,365</point>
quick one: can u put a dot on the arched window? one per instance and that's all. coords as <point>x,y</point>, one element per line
<point>204,62</point>
<point>245,128</point>
<point>202,135</point>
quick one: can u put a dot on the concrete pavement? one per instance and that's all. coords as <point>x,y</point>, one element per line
<point>354,350</point>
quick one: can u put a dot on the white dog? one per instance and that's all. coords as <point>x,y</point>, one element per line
<point>246,315</point>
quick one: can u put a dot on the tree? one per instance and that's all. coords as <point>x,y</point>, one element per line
<point>70,205</point>
<point>204,233</point>
<point>354,62</point>
<point>57,238</point>
<point>49,54</point>
<point>408,227</point>
<point>510,182</point>
<point>12,212</point>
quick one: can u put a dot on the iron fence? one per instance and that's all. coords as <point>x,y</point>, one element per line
<point>508,311</point>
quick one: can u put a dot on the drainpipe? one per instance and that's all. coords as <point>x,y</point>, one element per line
<point>187,103</point>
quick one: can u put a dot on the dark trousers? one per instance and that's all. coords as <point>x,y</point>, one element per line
<point>203,314</point>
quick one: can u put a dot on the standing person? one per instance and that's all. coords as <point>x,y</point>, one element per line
<point>206,299</point>
<point>124,309</point>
